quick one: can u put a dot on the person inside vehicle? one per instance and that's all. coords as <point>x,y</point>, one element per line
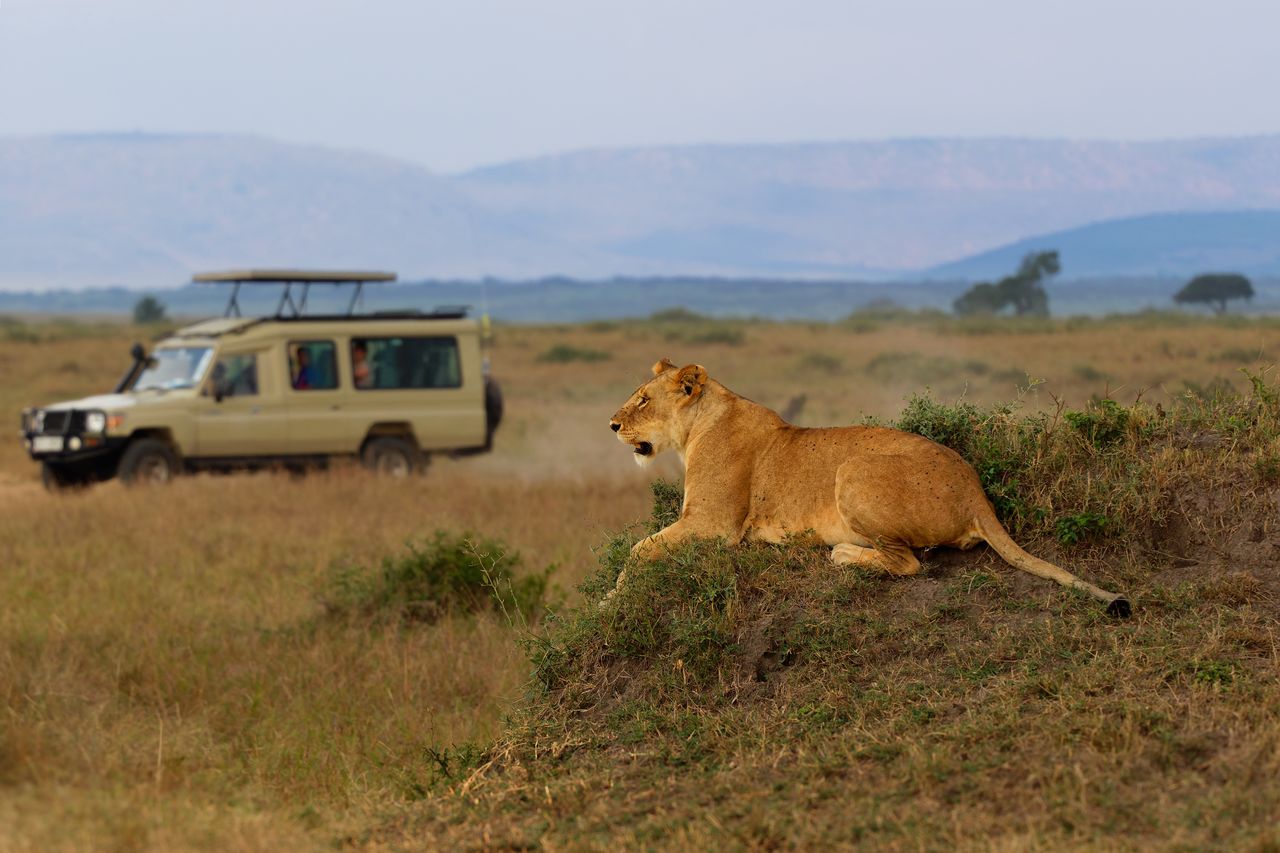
<point>361,373</point>
<point>303,379</point>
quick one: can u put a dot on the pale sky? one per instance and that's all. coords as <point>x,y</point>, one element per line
<point>452,85</point>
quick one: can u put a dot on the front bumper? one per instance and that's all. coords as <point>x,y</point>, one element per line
<point>69,449</point>
<point>60,437</point>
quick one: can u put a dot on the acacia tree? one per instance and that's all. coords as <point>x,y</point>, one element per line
<point>1214,289</point>
<point>148,309</point>
<point>1023,291</point>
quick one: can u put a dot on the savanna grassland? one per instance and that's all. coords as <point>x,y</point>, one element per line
<point>240,662</point>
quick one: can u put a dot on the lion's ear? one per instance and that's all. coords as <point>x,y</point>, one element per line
<point>691,378</point>
<point>661,367</point>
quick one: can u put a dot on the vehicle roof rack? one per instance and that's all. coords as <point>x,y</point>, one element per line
<point>287,279</point>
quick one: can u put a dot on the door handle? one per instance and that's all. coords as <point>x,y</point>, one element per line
<point>255,410</point>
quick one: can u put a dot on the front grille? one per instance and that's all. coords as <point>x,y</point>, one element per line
<point>56,423</point>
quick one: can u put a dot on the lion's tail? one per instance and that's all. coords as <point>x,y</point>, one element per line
<point>999,539</point>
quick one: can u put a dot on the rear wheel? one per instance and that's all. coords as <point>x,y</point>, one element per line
<point>148,461</point>
<point>58,478</point>
<point>394,457</point>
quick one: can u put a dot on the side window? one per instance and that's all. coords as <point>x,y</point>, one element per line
<point>313,365</point>
<point>236,375</point>
<point>389,363</point>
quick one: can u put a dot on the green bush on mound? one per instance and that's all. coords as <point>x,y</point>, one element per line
<point>448,573</point>
<point>1100,462</point>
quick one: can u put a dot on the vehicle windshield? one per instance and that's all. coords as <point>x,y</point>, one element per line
<point>174,367</point>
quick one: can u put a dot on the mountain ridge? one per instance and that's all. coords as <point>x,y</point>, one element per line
<point>148,209</point>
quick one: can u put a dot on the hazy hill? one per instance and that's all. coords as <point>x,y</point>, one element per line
<point>146,210</point>
<point>1156,245</point>
<point>847,208</point>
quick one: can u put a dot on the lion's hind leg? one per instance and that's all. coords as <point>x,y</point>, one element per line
<point>894,558</point>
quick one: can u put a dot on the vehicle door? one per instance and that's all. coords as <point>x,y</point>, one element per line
<point>315,397</point>
<point>416,380</point>
<point>241,411</point>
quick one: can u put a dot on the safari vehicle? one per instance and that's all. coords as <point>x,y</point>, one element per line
<point>292,389</point>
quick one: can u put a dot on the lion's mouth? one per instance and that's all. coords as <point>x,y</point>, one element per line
<point>643,448</point>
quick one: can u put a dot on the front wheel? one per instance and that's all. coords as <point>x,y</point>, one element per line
<point>394,457</point>
<point>148,461</point>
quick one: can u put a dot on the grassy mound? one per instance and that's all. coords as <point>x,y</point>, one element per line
<point>760,696</point>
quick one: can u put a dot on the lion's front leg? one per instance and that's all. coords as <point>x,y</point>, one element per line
<point>668,537</point>
<point>652,547</point>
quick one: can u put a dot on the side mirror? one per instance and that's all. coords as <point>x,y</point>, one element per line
<point>138,352</point>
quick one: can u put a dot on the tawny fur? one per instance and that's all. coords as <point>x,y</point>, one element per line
<point>874,494</point>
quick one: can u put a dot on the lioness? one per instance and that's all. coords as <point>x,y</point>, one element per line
<point>873,493</point>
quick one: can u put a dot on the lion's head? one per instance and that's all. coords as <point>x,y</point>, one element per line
<point>659,414</point>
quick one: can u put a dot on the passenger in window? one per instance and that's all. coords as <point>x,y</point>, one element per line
<point>360,370</point>
<point>303,379</point>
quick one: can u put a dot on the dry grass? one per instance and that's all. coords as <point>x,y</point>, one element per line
<point>168,677</point>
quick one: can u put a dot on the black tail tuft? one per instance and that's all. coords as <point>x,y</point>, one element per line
<point>1120,608</point>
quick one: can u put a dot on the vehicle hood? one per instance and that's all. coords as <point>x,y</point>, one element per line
<point>118,402</point>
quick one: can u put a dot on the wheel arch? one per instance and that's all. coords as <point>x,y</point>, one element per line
<point>160,433</point>
<point>390,429</point>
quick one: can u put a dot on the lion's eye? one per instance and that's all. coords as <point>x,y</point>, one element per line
<point>644,401</point>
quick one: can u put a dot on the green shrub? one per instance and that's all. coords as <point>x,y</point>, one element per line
<point>448,573</point>
<point>1103,422</point>
<point>1072,529</point>
<point>677,314</point>
<point>668,501</point>
<point>564,353</point>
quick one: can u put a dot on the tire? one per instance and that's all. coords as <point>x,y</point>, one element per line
<point>60,478</point>
<point>393,457</point>
<point>492,406</point>
<point>148,461</point>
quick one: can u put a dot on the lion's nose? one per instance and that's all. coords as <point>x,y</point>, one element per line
<point>615,426</point>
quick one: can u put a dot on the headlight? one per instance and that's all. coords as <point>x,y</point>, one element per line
<point>95,422</point>
<point>37,421</point>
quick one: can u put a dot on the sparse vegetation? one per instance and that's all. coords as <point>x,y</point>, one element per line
<point>564,353</point>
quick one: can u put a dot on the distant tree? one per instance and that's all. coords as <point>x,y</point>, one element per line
<point>1214,289</point>
<point>1023,291</point>
<point>980,299</point>
<point>148,309</point>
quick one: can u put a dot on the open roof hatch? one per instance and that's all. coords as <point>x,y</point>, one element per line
<point>288,280</point>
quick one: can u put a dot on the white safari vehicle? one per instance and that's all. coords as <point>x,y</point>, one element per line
<point>292,389</point>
